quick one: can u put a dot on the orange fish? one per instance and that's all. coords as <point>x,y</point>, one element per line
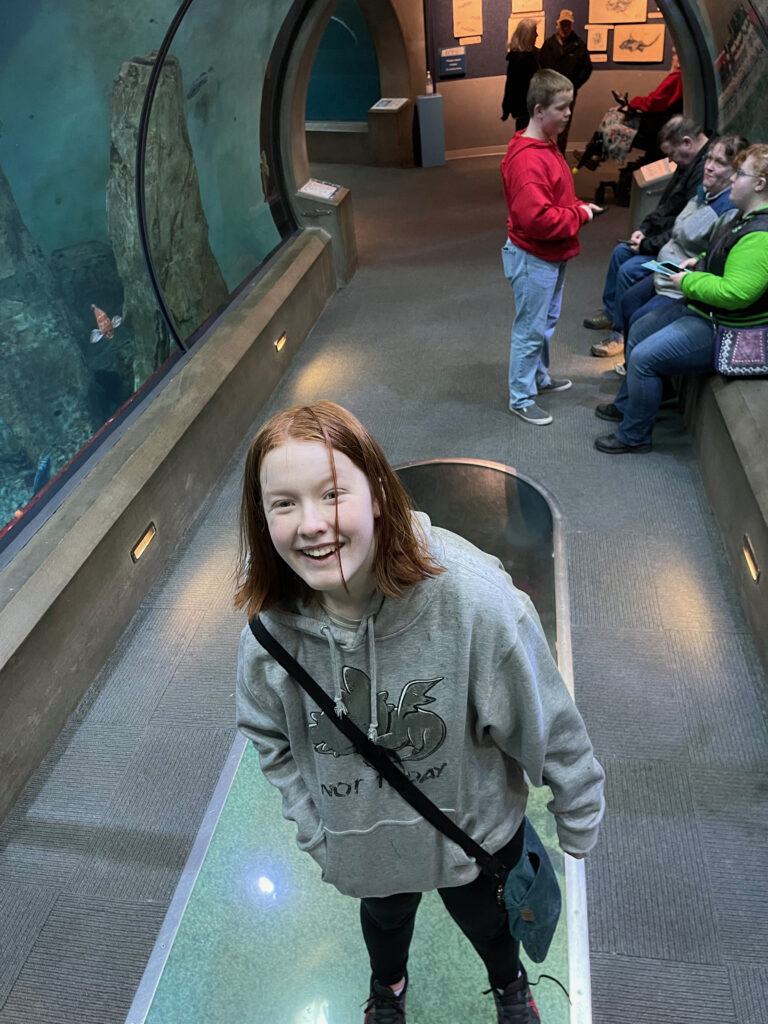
<point>105,325</point>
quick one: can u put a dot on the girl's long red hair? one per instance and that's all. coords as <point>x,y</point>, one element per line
<point>263,579</point>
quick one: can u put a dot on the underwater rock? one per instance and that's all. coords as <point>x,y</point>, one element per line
<point>86,273</point>
<point>43,381</point>
<point>185,266</point>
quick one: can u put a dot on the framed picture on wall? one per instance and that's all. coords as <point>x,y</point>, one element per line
<point>527,6</point>
<point>639,44</point>
<point>597,37</point>
<point>610,11</point>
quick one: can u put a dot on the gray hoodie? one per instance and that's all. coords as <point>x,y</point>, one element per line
<point>458,678</point>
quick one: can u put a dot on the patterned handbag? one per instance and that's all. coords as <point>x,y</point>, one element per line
<point>741,351</point>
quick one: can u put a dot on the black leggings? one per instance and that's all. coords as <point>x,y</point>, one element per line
<point>388,921</point>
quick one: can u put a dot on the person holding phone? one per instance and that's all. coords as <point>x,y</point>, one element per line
<point>683,140</point>
<point>730,283</point>
<point>544,217</point>
<point>691,233</point>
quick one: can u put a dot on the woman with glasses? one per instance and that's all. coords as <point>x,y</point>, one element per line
<point>729,283</point>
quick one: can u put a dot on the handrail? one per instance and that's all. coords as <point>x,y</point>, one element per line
<point>141,152</point>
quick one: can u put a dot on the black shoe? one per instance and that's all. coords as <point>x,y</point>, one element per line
<point>599,321</point>
<point>383,1006</point>
<point>609,412</point>
<point>611,445</point>
<point>515,1004</point>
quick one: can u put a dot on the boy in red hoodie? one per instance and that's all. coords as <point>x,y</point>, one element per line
<point>542,228</point>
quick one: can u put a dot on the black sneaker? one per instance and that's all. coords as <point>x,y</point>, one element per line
<point>383,1006</point>
<point>515,1004</point>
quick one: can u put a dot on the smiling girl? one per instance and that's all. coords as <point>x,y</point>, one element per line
<point>425,643</point>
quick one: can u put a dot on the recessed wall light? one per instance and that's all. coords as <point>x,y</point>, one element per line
<point>143,542</point>
<point>281,341</point>
<point>750,558</point>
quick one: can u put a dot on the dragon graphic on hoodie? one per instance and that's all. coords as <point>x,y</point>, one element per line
<point>408,724</point>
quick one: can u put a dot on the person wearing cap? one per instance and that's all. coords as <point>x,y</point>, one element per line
<point>566,53</point>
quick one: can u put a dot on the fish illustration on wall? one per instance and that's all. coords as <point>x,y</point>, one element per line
<point>105,325</point>
<point>618,6</point>
<point>637,45</point>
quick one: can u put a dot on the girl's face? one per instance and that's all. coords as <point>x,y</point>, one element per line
<point>300,506</point>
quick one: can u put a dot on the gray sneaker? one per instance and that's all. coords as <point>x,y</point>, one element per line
<point>556,385</point>
<point>532,414</point>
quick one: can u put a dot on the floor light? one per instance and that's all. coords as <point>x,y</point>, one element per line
<point>143,542</point>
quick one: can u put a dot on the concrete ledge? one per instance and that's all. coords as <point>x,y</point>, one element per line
<point>338,142</point>
<point>729,422</point>
<point>71,592</point>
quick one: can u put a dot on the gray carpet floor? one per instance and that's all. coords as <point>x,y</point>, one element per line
<point>666,673</point>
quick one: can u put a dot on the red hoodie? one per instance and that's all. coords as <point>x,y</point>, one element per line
<point>544,213</point>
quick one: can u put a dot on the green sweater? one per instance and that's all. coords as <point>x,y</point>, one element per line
<point>744,280</point>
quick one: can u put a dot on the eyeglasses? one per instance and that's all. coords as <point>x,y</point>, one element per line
<point>746,174</point>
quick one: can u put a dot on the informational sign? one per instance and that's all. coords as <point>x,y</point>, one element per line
<point>320,189</point>
<point>453,61</point>
<point>390,103</point>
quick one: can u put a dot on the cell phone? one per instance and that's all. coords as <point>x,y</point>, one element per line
<point>597,213</point>
<point>670,267</point>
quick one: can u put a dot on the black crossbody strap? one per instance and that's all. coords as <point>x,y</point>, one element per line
<point>376,756</point>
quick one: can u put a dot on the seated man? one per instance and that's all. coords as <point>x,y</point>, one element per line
<point>684,142</point>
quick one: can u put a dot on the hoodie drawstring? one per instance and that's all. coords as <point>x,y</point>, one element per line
<point>373,728</point>
<point>338,695</point>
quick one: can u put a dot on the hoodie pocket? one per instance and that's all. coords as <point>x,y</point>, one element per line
<point>394,857</point>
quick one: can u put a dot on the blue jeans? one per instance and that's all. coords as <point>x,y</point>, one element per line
<point>624,269</point>
<point>671,340</point>
<point>538,288</point>
<point>633,298</point>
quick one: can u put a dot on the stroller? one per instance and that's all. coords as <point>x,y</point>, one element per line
<point>623,128</point>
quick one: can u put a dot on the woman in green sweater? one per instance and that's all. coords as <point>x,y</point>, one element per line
<point>730,283</point>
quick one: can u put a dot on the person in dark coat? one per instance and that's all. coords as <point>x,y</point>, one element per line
<point>567,53</point>
<point>522,63</point>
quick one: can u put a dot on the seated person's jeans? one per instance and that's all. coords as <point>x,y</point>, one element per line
<point>670,340</point>
<point>624,269</point>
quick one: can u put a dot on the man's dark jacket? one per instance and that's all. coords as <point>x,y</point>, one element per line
<point>657,226</point>
<point>571,59</point>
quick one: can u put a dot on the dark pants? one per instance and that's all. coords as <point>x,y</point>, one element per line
<point>388,921</point>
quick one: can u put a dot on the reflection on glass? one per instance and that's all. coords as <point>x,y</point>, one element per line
<point>740,36</point>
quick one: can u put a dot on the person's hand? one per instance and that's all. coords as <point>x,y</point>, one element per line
<point>635,239</point>
<point>676,279</point>
<point>689,263</point>
<point>592,209</point>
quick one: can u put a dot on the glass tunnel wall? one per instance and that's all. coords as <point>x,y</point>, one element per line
<point>345,75</point>
<point>80,328</point>
<point>738,30</point>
